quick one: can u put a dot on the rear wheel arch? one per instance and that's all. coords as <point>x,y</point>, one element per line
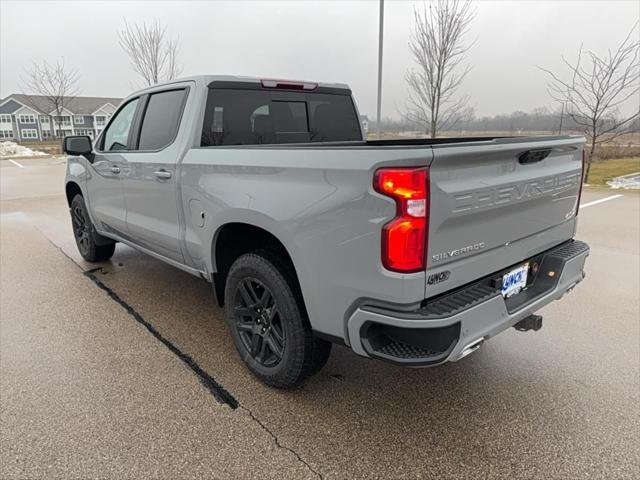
<point>234,239</point>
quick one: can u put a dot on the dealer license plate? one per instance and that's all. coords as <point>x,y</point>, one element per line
<point>514,281</point>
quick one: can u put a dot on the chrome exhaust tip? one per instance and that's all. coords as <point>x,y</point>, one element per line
<point>472,347</point>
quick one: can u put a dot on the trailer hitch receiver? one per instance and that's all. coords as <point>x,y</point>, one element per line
<point>532,322</point>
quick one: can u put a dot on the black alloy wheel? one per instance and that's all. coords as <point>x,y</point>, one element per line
<point>265,313</point>
<point>92,246</point>
<point>258,322</point>
<point>81,229</point>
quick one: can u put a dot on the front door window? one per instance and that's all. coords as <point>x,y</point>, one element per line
<point>117,134</point>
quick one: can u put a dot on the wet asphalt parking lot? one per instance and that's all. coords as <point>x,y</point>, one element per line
<point>128,372</point>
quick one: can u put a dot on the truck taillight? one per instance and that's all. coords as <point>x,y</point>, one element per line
<point>404,239</point>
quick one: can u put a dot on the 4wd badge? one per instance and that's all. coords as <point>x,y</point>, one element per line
<point>438,277</point>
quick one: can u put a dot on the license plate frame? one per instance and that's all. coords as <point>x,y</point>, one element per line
<point>515,280</point>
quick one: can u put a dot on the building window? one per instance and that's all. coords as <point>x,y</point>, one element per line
<point>64,121</point>
<point>6,133</point>
<point>27,118</point>
<point>83,131</point>
<point>46,134</point>
<point>101,120</point>
<point>78,119</point>
<point>44,119</point>
<point>29,133</point>
<point>5,118</point>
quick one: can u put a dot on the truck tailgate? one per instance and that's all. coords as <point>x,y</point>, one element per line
<point>496,203</point>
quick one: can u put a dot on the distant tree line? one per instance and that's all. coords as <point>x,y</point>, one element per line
<point>542,119</point>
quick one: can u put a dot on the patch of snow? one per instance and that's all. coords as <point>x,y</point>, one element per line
<point>12,149</point>
<point>631,181</point>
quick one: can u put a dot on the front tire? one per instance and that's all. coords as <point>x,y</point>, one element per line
<point>86,235</point>
<point>267,321</point>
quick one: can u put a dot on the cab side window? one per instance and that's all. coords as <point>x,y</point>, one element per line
<point>117,133</point>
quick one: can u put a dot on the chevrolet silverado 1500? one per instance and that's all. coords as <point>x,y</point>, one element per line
<point>411,251</point>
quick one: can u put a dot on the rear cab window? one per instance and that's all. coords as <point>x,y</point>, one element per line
<point>254,116</point>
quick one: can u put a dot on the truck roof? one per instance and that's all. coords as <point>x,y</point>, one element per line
<point>208,79</point>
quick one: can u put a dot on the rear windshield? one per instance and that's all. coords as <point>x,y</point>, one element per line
<point>251,117</point>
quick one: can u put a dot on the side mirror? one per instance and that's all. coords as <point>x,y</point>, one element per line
<point>77,145</point>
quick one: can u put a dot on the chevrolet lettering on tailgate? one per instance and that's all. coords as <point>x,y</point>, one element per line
<point>490,197</point>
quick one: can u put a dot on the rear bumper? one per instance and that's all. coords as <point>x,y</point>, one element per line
<point>450,326</point>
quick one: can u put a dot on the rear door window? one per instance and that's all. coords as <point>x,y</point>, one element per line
<point>253,117</point>
<point>161,119</point>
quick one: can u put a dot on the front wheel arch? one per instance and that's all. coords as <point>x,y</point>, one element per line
<point>71,190</point>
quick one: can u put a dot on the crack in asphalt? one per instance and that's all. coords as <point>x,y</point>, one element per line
<point>279,444</point>
<point>218,391</point>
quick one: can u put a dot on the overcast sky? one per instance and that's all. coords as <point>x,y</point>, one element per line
<point>315,40</point>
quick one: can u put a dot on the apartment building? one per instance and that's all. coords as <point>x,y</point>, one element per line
<point>32,117</point>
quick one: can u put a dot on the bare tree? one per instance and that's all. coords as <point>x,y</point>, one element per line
<point>437,47</point>
<point>152,55</point>
<point>55,83</point>
<point>594,89</point>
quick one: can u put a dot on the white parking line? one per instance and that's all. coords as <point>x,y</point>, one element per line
<point>17,164</point>
<point>606,199</point>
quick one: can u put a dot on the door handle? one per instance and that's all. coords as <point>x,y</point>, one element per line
<point>115,169</point>
<point>162,173</point>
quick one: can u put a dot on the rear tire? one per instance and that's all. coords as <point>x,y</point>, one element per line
<point>86,235</point>
<point>268,323</point>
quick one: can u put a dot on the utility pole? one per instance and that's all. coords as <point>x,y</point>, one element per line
<point>561,118</point>
<point>380,67</point>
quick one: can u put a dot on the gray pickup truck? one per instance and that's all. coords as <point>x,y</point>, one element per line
<point>411,251</point>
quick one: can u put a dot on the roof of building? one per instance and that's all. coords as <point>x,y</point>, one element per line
<point>77,105</point>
